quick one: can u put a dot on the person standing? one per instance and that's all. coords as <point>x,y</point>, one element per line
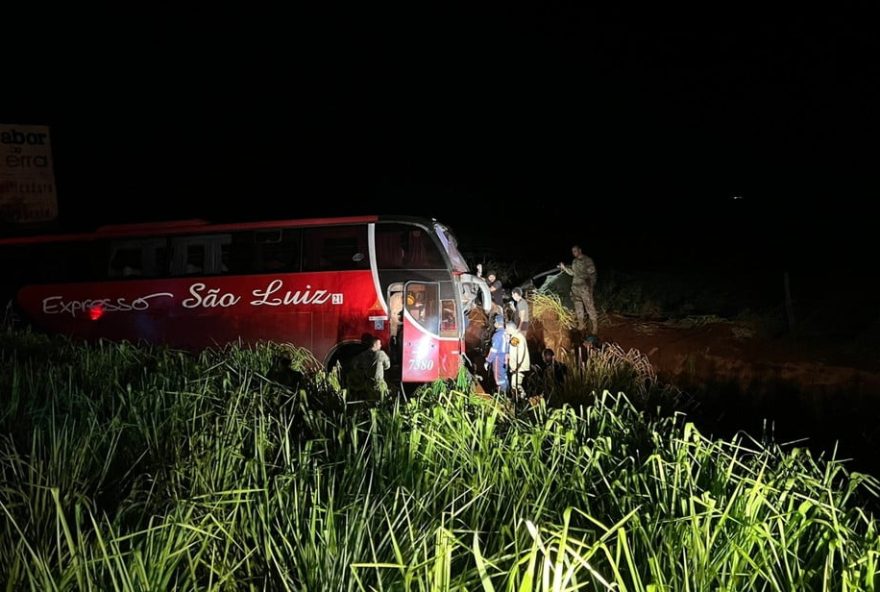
<point>554,371</point>
<point>497,357</point>
<point>520,310</point>
<point>583,272</point>
<point>370,366</point>
<point>497,291</point>
<point>518,361</point>
<point>395,315</point>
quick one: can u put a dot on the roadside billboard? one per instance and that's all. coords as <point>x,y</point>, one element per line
<point>27,180</point>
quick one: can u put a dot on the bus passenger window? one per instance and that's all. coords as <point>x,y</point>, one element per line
<point>277,250</point>
<point>126,262</point>
<point>225,257</point>
<point>195,259</point>
<point>448,324</point>
<point>201,254</point>
<point>404,246</point>
<point>335,248</point>
<point>160,253</point>
<point>146,257</point>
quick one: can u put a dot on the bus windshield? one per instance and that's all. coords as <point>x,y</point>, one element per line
<point>451,247</point>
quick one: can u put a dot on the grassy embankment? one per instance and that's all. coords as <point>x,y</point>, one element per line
<point>125,468</point>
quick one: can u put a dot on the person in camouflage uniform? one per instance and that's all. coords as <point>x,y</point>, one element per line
<point>367,376</point>
<point>583,272</point>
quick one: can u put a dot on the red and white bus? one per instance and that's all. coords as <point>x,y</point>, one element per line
<point>318,283</point>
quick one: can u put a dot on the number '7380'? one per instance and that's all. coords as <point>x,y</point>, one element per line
<point>421,364</point>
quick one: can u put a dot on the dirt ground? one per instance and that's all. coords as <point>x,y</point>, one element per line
<point>822,390</point>
<point>699,350</point>
<point>822,393</point>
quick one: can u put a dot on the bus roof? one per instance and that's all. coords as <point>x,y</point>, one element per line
<point>182,227</point>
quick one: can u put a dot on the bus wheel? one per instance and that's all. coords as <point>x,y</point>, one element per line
<point>343,355</point>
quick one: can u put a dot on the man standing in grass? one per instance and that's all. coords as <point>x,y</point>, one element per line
<point>554,371</point>
<point>583,272</point>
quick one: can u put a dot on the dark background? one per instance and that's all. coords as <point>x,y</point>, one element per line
<point>630,134</point>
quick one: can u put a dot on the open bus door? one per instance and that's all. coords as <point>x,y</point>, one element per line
<point>394,297</point>
<point>421,330</point>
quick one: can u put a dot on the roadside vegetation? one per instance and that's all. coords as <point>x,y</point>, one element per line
<point>129,468</point>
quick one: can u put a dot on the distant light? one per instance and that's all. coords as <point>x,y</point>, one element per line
<point>96,311</point>
<point>737,197</point>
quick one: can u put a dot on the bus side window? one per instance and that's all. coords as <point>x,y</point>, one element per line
<point>160,259</point>
<point>277,250</point>
<point>335,248</point>
<point>448,319</point>
<point>126,261</point>
<point>195,259</point>
<point>237,256</point>
<point>225,258</point>
<point>390,246</point>
<point>54,262</point>
<point>137,258</point>
<point>200,255</point>
<point>404,246</point>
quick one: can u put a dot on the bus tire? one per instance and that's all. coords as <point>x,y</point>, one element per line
<point>342,354</point>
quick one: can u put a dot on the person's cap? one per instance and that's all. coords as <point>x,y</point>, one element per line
<point>499,319</point>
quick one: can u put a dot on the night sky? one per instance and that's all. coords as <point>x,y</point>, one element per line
<point>650,123</point>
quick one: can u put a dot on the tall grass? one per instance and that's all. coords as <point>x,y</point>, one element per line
<point>549,304</point>
<point>124,468</point>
